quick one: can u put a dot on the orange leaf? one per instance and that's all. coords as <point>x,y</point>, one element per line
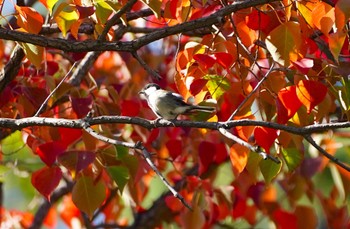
<point>323,17</point>
<point>173,203</point>
<point>265,137</point>
<point>311,93</point>
<point>239,157</point>
<point>46,180</point>
<point>287,103</point>
<point>29,19</point>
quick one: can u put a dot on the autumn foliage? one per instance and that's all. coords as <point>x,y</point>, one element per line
<point>282,67</point>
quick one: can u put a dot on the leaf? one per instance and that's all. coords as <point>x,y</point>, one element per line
<point>304,65</point>
<point>173,203</point>
<point>285,220</point>
<point>239,158</point>
<point>217,85</point>
<point>265,137</point>
<point>224,59</point>
<point>205,60</point>
<point>155,6</point>
<point>103,11</point>
<point>193,219</point>
<point>75,160</point>
<point>69,135</point>
<point>309,213</point>
<point>88,194</point>
<point>65,17</point>
<point>269,169</point>
<point>174,147</point>
<point>288,104</point>
<point>293,158</point>
<point>206,153</point>
<point>29,19</point>
<point>120,175</point>
<point>48,152</point>
<point>284,42</point>
<point>342,13</point>
<point>85,11</point>
<point>336,43</point>
<point>323,17</point>
<point>130,107</point>
<point>33,53</point>
<point>46,180</point>
<point>311,93</point>
<point>257,20</point>
<point>81,106</point>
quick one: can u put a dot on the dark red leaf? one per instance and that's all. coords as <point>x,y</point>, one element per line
<point>81,106</point>
<point>206,153</point>
<point>197,85</point>
<point>46,180</point>
<point>76,160</point>
<point>174,147</point>
<point>48,152</point>
<point>221,153</point>
<point>285,220</point>
<point>85,11</point>
<point>130,107</point>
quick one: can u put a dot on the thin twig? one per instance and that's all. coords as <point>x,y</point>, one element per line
<point>149,70</point>
<point>251,93</point>
<point>53,91</point>
<point>327,155</point>
<point>257,150</point>
<point>145,154</point>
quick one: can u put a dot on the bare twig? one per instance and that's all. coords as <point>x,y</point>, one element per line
<point>249,146</point>
<point>53,92</point>
<point>324,153</point>
<point>149,70</point>
<point>145,154</point>
<point>251,93</point>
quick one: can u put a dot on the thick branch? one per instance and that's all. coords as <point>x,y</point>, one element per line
<point>130,46</point>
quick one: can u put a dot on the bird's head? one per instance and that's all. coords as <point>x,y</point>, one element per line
<point>149,89</point>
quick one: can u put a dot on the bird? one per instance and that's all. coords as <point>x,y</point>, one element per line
<point>167,104</point>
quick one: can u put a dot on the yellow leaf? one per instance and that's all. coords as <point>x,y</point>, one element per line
<point>33,53</point>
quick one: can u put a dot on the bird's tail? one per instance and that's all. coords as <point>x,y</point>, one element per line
<point>202,108</point>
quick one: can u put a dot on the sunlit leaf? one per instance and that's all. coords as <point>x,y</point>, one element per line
<point>46,180</point>
<point>66,18</point>
<point>205,60</point>
<point>239,157</point>
<point>288,104</point>
<point>155,6</point>
<point>120,175</point>
<point>88,194</point>
<point>265,137</point>
<point>29,19</point>
<point>311,93</point>
<point>284,43</point>
<point>323,17</point>
<point>293,158</point>
<point>269,169</point>
<point>257,20</point>
<point>217,85</point>
<point>224,59</point>
<point>336,42</point>
<point>33,53</point>
<point>103,11</point>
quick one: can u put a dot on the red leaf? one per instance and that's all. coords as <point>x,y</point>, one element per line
<point>311,93</point>
<point>52,67</point>
<point>69,135</point>
<point>224,59</point>
<point>81,106</point>
<point>48,152</point>
<point>85,11</point>
<point>130,108</point>
<point>205,60</point>
<point>206,153</point>
<point>46,180</point>
<point>285,220</point>
<point>173,203</point>
<point>76,160</point>
<point>289,100</point>
<point>174,147</point>
<point>221,153</point>
<point>197,85</point>
<point>265,137</point>
<point>257,20</point>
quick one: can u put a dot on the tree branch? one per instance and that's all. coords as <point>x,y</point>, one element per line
<point>129,46</point>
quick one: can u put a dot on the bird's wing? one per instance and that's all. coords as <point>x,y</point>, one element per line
<point>177,98</point>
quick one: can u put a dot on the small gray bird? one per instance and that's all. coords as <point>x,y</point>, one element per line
<point>167,104</point>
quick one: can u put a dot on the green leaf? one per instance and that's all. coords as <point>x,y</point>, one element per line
<point>103,11</point>
<point>88,194</point>
<point>293,158</point>
<point>122,151</point>
<point>269,169</point>
<point>217,85</point>
<point>3,171</point>
<point>120,175</point>
<point>252,166</point>
<point>66,18</point>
